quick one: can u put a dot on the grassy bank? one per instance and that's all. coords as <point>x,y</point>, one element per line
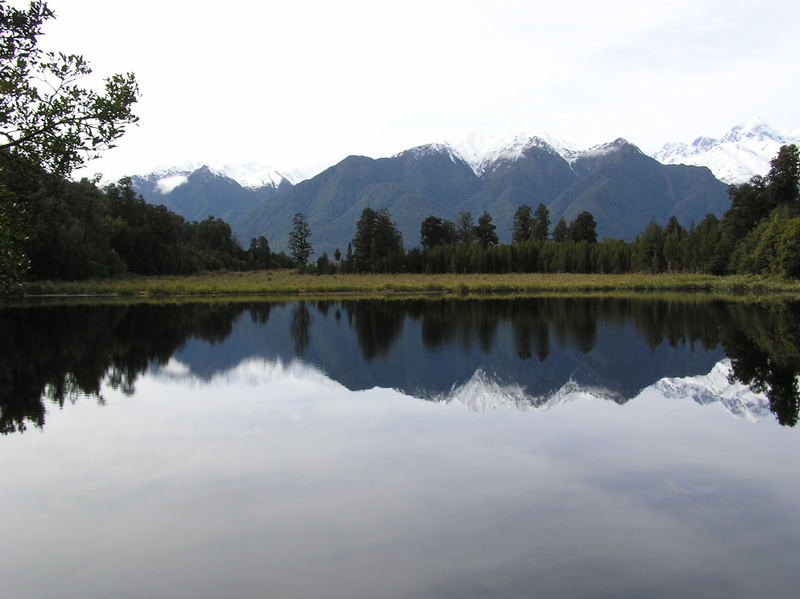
<point>290,283</point>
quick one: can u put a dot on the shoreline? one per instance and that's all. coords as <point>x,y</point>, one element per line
<point>288,284</point>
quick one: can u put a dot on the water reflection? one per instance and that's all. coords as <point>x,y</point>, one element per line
<point>534,350</point>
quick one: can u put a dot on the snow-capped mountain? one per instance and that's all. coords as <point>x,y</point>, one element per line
<point>743,151</point>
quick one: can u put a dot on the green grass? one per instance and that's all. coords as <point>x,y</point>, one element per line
<point>290,283</point>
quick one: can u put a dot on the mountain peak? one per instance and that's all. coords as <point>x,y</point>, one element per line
<point>482,151</point>
<point>607,148</point>
<point>746,149</point>
<point>752,129</point>
<point>432,149</point>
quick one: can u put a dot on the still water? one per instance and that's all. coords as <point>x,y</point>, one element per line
<point>488,448</point>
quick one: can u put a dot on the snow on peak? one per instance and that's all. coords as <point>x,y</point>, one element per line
<point>252,174</point>
<point>482,151</point>
<point>249,174</point>
<point>433,149</point>
<point>746,149</point>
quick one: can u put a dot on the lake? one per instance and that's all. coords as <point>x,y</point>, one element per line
<point>543,447</point>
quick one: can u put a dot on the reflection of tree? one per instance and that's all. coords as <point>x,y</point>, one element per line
<point>300,328</point>
<point>542,340</point>
<point>61,353</point>
<point>377,325</point>
<point>259,313</point>
<point>766,356</point>
<point>522,340</point>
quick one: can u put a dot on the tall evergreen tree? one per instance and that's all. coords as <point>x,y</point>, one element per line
<point>259,255</point>
<point>583,228</point>
<point>674,236</point>
<point>541,223</point>
<point>485,231</point>
<point>465,228</point>
<point>784,175</point>
<point>299,241</point>
<point>377,244</point>
<point>521,230</point>
<point>560,231</point>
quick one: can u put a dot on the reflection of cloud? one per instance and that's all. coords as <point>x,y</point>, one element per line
<point>714,387</point>
<point>175,368</point>
<point>253,371</point>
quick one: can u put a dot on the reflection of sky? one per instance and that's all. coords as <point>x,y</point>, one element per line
<point>275,481</point>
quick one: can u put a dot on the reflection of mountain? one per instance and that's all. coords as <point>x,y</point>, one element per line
<point>516,351</point>
<point>717,387</point>
<point>436,347</point>
<point>482,393</point>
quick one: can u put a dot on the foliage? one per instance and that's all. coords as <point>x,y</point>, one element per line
<point>13,261</point>
<point>560,231</point>
<point>435,231</point>
<point>377,245</point>
<point>540,225</point>
<point>45,116</point>
<point>299,240</point>
<point>522,227</point>
<point>465,228</point>
<point>485,232</point>
<point>259,255</point>
<point>49,125</point>
<point>583,228</point>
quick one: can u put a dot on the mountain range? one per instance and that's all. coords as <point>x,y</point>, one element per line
<point>620,185</point>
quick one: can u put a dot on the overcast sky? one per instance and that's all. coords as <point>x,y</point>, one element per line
<point>300,83</point>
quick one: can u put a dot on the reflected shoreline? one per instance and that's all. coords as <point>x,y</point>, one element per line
<point>490,351</point>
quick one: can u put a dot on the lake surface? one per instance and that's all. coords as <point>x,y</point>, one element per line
<point>445,448</point>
